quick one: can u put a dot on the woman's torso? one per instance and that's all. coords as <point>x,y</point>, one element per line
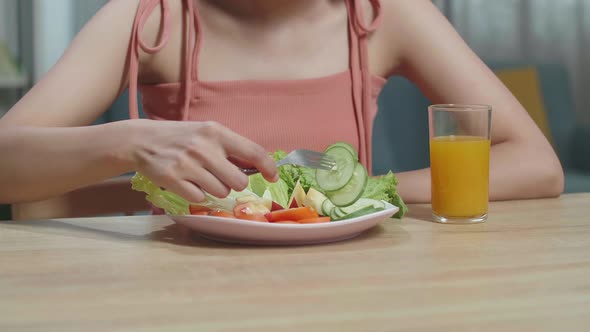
<point>289,87</point>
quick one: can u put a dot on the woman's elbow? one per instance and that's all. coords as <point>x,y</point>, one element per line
<point>551,179</point>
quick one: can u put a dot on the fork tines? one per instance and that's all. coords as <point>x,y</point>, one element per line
<point>317,158</point>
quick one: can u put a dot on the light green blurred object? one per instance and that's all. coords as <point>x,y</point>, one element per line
<point>8,67</point>
<point>11,75</point>
<point>8,73</point>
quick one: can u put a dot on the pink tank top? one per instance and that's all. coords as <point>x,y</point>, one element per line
<point>278,114</point>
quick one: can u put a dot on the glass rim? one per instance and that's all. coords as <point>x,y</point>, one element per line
<point>461,107</point>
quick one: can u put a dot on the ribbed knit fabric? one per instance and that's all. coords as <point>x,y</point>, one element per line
<point>278,114</point>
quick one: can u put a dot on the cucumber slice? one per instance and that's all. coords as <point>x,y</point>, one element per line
<point>327,207</point>
<point>348,147</point>
<point>334,216</point>
<point>362,203</point>
<point>341,174</point>
<point>362,212</point>
<point>353,189</point>
<point>338,213</point>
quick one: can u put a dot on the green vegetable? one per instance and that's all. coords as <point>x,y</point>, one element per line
<point>279,190</point>
<point>290,174</point>
<point>379,188</point>
<point>168,201</point>
<point>257,184</point>
<point>173,204</point>
<point>384,188</point>
<point>307,179</point>
<point>337,177</point>
<point>287,173</point>
<point>352,190</point>
<point>364,211</point>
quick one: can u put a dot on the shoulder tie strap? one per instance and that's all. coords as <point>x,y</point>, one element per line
<point>361,78</point>
<point>145,9</point>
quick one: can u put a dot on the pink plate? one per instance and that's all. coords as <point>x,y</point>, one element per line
<point>251,232</point>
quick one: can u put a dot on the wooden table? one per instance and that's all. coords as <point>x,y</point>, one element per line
<point>526,269</point>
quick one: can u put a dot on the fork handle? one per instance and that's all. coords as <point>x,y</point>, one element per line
<point>254,170</point>
<point>249,171</point>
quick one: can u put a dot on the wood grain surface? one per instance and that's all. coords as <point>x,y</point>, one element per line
<point>526,269</point>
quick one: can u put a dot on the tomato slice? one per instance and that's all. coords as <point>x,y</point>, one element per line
<point>295,214</point>
<point>197,209</point>
<point>275,206</point>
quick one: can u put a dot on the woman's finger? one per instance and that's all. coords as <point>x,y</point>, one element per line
<point>208,182</point>
<point>229,174</point>
<point>187,190</point>
<point>249,152</point>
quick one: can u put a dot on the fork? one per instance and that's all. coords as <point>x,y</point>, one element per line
<point>301,157</point>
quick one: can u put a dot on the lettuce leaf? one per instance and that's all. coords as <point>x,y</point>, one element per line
<point>307,179</point>
<point>288,173</point>
<point>168,201</point>
<point>174,204</point>
<point>279,190</point>
<point>385,188</point>
<point>257,184</point>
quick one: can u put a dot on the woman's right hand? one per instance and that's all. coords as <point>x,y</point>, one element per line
<point>190,158</point>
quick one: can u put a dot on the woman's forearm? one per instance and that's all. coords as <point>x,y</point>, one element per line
<point>38,162</point>
<point>520,171</point>
<point>414,186</point>
<point>516,172</point>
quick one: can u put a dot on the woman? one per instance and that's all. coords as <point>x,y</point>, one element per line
<point>246,71</point>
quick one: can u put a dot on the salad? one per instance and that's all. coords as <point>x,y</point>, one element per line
<point>301,195</point>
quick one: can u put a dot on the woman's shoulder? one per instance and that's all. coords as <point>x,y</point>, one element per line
<point>153,22</point>
<point>403,23</point>
<point>401,17</point>
<point>403,7</point>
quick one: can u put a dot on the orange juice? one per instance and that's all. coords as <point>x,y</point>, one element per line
<point>460,176</point>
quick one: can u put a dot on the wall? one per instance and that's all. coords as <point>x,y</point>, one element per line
<point>9,25</point>
<point>532,31</point>
<point>52,32</point>
<point>38,31</point>
<point>84,10</point>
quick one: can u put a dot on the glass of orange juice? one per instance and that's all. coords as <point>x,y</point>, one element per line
<point>459,162</point>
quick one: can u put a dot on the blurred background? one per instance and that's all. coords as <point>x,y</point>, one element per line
<point>539,48</point>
